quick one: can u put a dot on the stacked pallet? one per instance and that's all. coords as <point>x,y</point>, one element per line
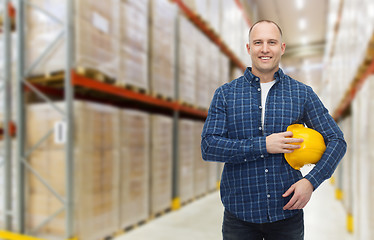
<point>133,43</point>
<point>225,69</point>
<point>204,69</point>
<point>214,175</point>
<point>346,167</point>
<point>95,154</point>
<point>134,167</point>
<point>187,61</point>
<point>363,167</point>
<point>122,168</point>
<point>208,10</point>
<point>161,163</point>
<point>214,13</point>
<point>95,45</point>
<point>215,76</point>
<point>234,30</point>
<point>186,160</point>
<point>162,48</point>
<point>200,166</point>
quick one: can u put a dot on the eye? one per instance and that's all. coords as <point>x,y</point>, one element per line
<point>257,43</point>
<point>273,42</point>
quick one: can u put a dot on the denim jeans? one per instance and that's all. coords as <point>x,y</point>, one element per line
<point>287,229</point>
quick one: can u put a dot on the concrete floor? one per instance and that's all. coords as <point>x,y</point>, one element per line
<point>201,220</point>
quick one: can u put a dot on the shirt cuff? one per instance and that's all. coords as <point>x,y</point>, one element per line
<point>255,148</point>
<point>313,180</point>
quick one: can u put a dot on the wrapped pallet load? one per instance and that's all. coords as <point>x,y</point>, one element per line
<point>201,167</point>
<point>225,69</point>
<point>215,77</point>
<point>95,36</point>
<point>162,48</point>
<point>133,43</point>
<point>186,160</point>
<point>95,177</point>
<point>202,75</point>
<point>134,167</point>
<point>161,163</point>
<point>187,61</point>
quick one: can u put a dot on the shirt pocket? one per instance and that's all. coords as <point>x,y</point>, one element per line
<point>289,110</point>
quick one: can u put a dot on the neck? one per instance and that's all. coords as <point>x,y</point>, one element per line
<point>264,76</point>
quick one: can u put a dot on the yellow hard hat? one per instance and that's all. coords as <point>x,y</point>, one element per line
<point>311,149</point>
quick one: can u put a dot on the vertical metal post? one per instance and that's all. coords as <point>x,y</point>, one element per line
<point>6,114</point>
<point>175,174</point>
<point>69,118</point>
<point>20,209</point>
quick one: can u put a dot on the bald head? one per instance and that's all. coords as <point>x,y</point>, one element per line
<point>264,21</point>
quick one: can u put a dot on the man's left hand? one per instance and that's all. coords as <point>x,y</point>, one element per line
<point>302,190</point>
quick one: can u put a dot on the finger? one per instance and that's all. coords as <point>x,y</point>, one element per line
<point>293,140</point>
<point>290,204</point>
<point>293,207</point>
<point>286,151</point>
<point>287,134</point>
<point>289,191</point>
<point>297,205</point>
<point>292,146</point>
<point>302,205</point>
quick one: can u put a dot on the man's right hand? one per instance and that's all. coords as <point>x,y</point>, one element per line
<point>282,142</point>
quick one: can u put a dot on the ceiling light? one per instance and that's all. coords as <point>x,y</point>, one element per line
<point>299,4</point>
<point>302,24</point>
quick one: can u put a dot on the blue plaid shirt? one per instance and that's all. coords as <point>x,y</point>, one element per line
<point>253,180</point>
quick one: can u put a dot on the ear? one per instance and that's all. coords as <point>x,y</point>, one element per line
<point>248,48</point>
<point>283,48</point>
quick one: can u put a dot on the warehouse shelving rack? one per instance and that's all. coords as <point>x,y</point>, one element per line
<point>7,130</point>
<point>72,80</point>
<point>364,70</point>
<point>209,32</point>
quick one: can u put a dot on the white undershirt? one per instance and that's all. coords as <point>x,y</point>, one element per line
<point>265,87</point>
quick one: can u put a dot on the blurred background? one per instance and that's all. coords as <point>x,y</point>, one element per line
<point>103,103</point>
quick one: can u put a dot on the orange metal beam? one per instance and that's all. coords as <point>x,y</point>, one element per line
<point>11,10</point>
<point>79,80</point>
<point>11,128</point>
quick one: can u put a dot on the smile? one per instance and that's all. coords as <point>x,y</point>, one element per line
<point>265,58</point>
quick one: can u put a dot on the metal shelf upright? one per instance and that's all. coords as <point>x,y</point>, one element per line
<point>66,114</point>
<point>6,162</point>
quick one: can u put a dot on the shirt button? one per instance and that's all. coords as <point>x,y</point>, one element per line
<point>256,79</point>
<point>268,195</point>
<point>266,170</point>
<point>245,159</point>
<point>259,89</point>
<point>260,107</point>
<point>260,128</point>
<point>262,156</point>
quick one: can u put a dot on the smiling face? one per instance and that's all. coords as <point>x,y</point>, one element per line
<point>265,48</point>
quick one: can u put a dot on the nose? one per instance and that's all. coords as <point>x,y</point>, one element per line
<point>264,48</point>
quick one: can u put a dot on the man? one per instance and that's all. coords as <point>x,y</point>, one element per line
<point>246,127</point>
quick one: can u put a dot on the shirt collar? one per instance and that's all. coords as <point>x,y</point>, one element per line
<point>278,75</point>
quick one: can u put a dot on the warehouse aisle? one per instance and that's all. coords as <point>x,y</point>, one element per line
<point>201,220</point>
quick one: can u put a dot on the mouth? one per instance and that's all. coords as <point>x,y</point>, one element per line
<point>265,58</point>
